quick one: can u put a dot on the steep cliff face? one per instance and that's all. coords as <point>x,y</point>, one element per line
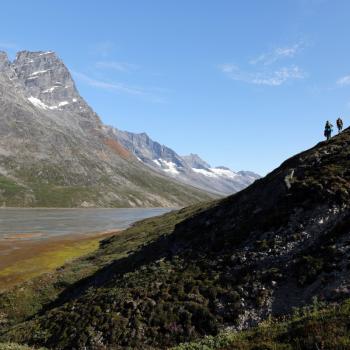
<point>227,265</point>
<point>55,152</point>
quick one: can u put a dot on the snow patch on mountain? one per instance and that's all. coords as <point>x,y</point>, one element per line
<point>224,172</point>
<point>205,172</point>
<point>40,72</point>
<point>166,166</point>
<point>46,53</point>
<point>50,89</point>
<point>216,172</point>
<point>37,103</point>
<point>40,104</point>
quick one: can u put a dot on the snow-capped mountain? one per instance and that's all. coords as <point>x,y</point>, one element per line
<point>189,169</point>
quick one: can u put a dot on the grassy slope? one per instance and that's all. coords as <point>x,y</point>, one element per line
<point>50,186</point>
<point>10,191</point>
<point>310,328</point>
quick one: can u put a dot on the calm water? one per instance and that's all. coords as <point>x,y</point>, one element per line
<point>54,222</point>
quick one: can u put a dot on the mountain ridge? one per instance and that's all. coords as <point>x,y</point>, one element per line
<point>190,170</point>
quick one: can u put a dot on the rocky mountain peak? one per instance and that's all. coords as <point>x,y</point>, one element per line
<point>3,59</point>
<point>26,55</point>
<point>195,161</point>
<point>47,81</point>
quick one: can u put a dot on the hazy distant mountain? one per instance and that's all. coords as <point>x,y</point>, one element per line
<point>54,150</point>
<point>190,169</point>
<point>194,161</point>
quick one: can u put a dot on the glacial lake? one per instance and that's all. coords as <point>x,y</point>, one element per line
<point>46,223</point>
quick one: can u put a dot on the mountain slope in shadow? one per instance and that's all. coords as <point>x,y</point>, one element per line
<point>277,245</point>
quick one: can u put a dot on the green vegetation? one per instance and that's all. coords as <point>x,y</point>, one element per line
<point>47,185</point>
<point>310,328</point>
<point>13,346</point>
<point>63,196</point>
<point>39,193</point>
<point>8,187</point>
<point>10,191</point>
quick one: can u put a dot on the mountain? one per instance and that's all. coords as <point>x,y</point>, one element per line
<point>54,150</point>
<point>279,248</point>
<point>194,161</point>
<point>190,170</point>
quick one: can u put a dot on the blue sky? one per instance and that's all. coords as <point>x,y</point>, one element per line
<point>244,84</point>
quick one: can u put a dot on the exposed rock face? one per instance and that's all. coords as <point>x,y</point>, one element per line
<point>194,161</point>
<point>3,60</point>
<point>191,170</point>
<point>144,147</point>
<point>54,150</point>
<point>48,83</point>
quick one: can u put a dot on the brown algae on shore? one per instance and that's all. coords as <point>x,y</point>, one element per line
<point>31,259</point>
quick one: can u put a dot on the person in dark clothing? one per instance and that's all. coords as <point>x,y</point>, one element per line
<point>339,125</point>
<point>328,130</point>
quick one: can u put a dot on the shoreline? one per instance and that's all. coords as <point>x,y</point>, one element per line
<point>22,259</point>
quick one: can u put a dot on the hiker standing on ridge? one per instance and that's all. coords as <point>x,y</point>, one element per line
<point>339,125</point>
<point>328,130</point>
